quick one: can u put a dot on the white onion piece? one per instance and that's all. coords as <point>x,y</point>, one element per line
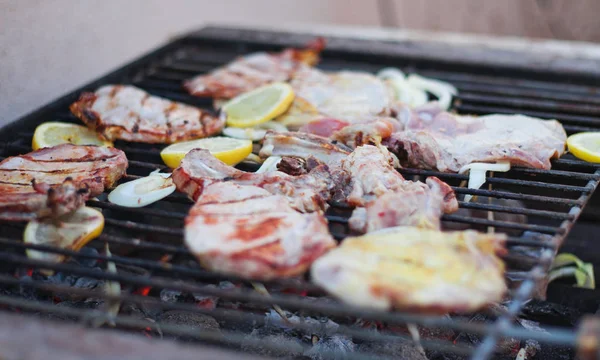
<point>270,164</point>
<point>273,125</point>
<point>404,91</point>
<point>409,94</point>
<point>252,157</point>
<point>390,73</point>
<point>442,90</point>
<point>246,134</point>
<point>477,173</point>
<point>143,191</point>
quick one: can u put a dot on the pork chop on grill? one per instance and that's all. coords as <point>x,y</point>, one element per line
<point>415,270</point>
<point>249,72</point>
<point>366,179</point>
<point>383,198</point>
<point>306,193</point>
<point>51,182</point>
<point>434,139</point>
<point>128,113</point>
<point>249,232</point>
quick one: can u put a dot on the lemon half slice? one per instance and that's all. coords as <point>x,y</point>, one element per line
<point>229,150</point>
<point>55,133</point>
<point>585,146</point>
<point>259,105</point>
<point>71,231</point>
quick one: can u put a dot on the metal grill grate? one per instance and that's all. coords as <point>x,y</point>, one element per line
<point>150,239</point>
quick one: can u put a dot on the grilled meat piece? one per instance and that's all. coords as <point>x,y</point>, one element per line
<point>53,181</point>
<point>292,166</point>
<point>415,270</point>
<point>306,193</point>
<point>248,232</point>
<point>302,145</point>
<point>349,96</point>
<point>412,203</point>
<point>128,113</point>
<point>363,177</point>
<point>251,71</point>
<point>446,142</point>
<point>385,199</point>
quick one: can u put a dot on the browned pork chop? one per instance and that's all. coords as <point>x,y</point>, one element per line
<point>434,139</point>
<point>251,71</point>
<point>54,181</point>
<point>306,193</point>
<point>251,233</point>
<point>131,114</point>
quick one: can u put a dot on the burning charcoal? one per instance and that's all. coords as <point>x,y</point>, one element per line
<point>87,283</point>
<point>336,347</point>
<point>319,327</point>
<point>506,346</point>
<point>170,296</point>
<point>397,350</point>
<point>199,322</point>
<point>206,301</point>
<point>87,262</point>
<point>292,346</point>
<point>551,314</point>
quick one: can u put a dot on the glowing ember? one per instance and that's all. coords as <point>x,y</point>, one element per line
<point>144,291</point>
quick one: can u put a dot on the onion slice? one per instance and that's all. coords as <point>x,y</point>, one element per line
<point>143,191</point>
<point>477,173</point>
<point>404,91</point>
<point>270,164</point>
<point>441,89</point>
<point>255,133</point>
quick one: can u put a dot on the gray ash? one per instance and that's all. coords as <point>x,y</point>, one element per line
<point>196,321</point>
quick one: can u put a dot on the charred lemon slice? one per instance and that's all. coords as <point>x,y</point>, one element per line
<point>55,133</point>
<point>71,231</point>
<point>229,150</point>
<point>259,105</point>
<point>585,146</point>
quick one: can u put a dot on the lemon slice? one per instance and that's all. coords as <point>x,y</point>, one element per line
<point>55,133</point>
<point>585,146</point>
<point>71,231</point>
<point>229,150</point>
<point>259,105</point>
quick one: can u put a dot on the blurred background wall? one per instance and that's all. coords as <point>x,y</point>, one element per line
<point>48,47</point>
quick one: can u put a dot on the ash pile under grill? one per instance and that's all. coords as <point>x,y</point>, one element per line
<point>152,285</point>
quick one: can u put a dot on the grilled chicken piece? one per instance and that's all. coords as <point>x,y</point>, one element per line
<point>131,114</point>
<point>301,145</point>
<point>385,199</point>
<point>415,270</point>
<point>248,232</point>
<point>412,203</point>
<point>53,181</point>
<point>306,193</point>
<point>249,72</point>
<point>446,142</point>
<point>346,95</point>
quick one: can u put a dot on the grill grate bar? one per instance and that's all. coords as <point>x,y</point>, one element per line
<point>516,196</point>
<point>513,210</point>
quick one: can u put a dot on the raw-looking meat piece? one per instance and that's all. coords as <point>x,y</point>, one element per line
<point>385,199</point>
<point>349,96</point>
<point>303,145</point>
<point>446,142</point>
<point>54,181</point>
<point>414,269</point>
<point>128,113</point>
<point>412,203</point>
<point>306,193</point>
<point>249,72</point>
<point>248,232</point>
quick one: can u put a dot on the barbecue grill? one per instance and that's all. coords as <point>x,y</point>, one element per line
<point>158,275</point>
